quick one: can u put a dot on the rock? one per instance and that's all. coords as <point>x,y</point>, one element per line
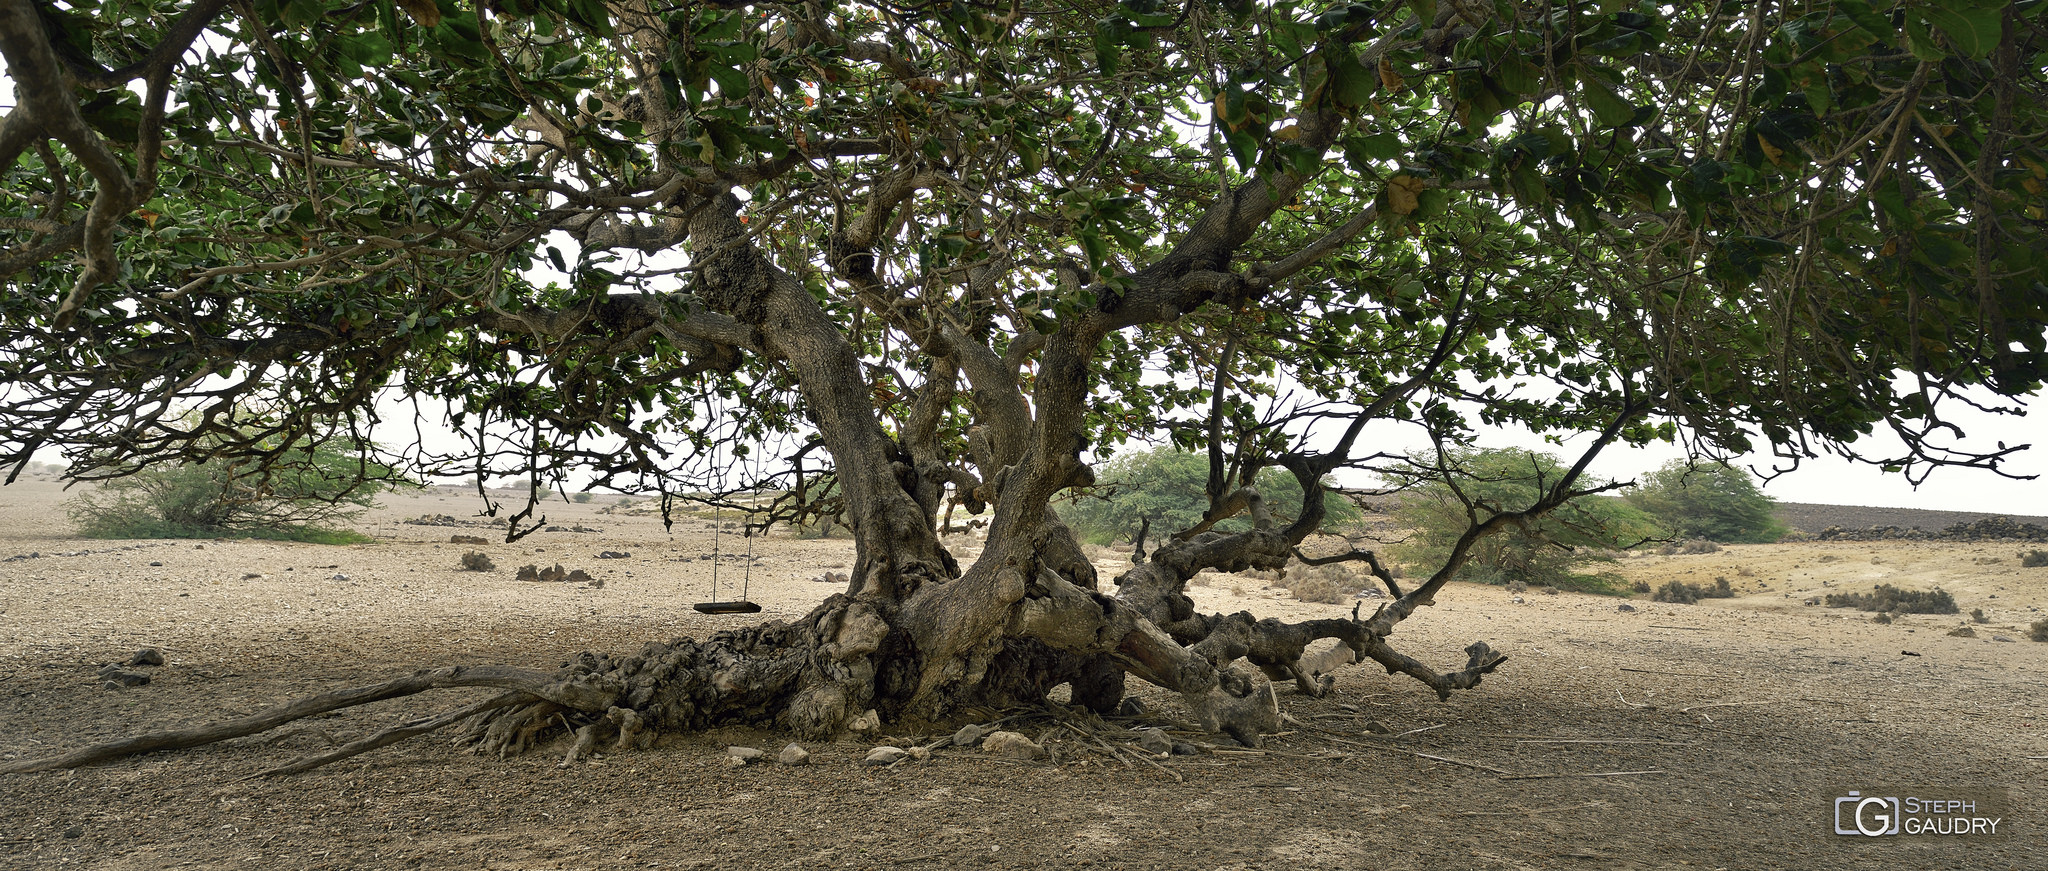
<point>794,754</point>
<point>1626,609</point>
<point>729,762</point>
<point>745,754</point>
<point>1377,728</point>
<point>580,576</point>
<point>156,565</point>
<point>147,656</point>
<point>468,539</point>
<point>969,735</point>
<point>250,576</point>
<point>867,723</point>
<point>920,754</point>
<point>477,561</point>
<point>75,832</point>
<point>1182,748</point>
<point>118,678</point>
<point>1515,599</point>
<point>1155,741</point>
<point>613,554</point>
<point>2000,638</point>
<point>1011,745</point>
<point>339,577</point>
<point>1963,632</point>
<point>1131,707</point>
<point>886,756</point>
<point>597,584</point>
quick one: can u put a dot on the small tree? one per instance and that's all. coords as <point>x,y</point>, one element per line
<point>1714,501</point>
<point>1166,487</point>
<point>1552,550</point>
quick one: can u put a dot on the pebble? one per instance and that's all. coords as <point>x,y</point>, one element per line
<point>147,656</point>
<point>794,754</point>
<point>158,565</point>
<point>886,756</point>
<point>2000,638</point>
<point>1182,748</point>
<point>1131,707</point>
<point>745,754</point>
<point>1011,745</point>
<point>120,679</point>
<point>920,753</point>
<point>1626,609</point>
<point>1377,728</point>
<point>865,723</point>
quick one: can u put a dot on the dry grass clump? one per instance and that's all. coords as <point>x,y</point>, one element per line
<point>2034,559</point>
<point>1682,593</point>
<point>1889,599</point>
<point>1689,546</point>
<point>477,561</point>
<point>2038,631</point>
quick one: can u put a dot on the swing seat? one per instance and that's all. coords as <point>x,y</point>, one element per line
<point>739,607</point>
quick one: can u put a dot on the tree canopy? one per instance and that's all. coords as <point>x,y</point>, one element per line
<point>1162,490</point>
<point>1712,501</point>
<point>967,248</point>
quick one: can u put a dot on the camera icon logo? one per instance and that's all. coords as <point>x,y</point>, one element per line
<point>1869,815</point>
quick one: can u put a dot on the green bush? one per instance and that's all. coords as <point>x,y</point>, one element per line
<point>2038,631</point>
<point>1710,501</point>
<point>1682,593</point>
<point>2034,559</point>
<point>1170,487</point>
<point>1554,550</point>
<point>581,498</point>
<point>1887,598</point>
<point>299,502</point>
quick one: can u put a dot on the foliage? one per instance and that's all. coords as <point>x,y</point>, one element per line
<point>1893,600</point>
<point>1682,593</point>
<point>1165,486</point>
<point>2038,631</point>
<point>1553,550</point>
<point>581,497</point>
<point>224,498</point>
<point>2034,559</point>
<point>1712,501</point>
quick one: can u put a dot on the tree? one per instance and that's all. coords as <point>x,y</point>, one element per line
<point>1549,550</point>
<point>1163,489</point>
<point>1713,501</point>
<point>956,248</point>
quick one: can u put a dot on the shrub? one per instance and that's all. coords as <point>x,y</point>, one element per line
<point>1553,550</point>
<point>1169,487</point>
<point>1689,547</point>
<point>1328,584</point>
<point>1887,598</point>
<point>215,499</point>
<point>1682,593</point>
<point>2038,631</point>
<point>477,561</point>
<point>1710,501</point>
<point>581,498</point>
<point>1977,616</point>
<point>2034,559</point>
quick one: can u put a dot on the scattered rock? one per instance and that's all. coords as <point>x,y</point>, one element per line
<point>1011,745</point>
<point>1377,728</point>
<point>580,576</point>
<point>1155,741</point>
<point>2001,638</point>
<point>147,656</point>
<point>1549,590</point>
<point>886,756</point>
<point>1907,653</point>
<point>155,565</point>
<point>1963,632</point>
<point>1131,707</point>
<point>1515,599</point>
<point>339,577</point>
<point>1626,609</point>
<point>832,578</point>
<point>971,734</point>
<point>597,584</point>
<point>477,561</point>
<point>557,574</point>
<point>794,754</point>
<point>729,762</point>
<point>251,576</point>
<point>746,755</point>
<point>468,539</point>
<point>920,754</point>
<point>613,554</point>
<point>1183,748</point>
<point>75,832</point>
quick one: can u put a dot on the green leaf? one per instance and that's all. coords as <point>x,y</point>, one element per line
<point>1107,50</point>
<point>1608,107</point>
<point>1974,31</point>
<point>1859,11</point>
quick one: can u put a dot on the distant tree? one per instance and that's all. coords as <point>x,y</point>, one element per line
<point>1468,486</point>
<point>1713,501</point>
<point>237,498</point>
<point>1168,488</point>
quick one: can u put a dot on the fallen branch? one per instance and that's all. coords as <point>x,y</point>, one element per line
<point>1720,705</point>
<point>397,734</point>
<point>1678,673</point>
<point>1604,741</point>
<point>1533,811</point>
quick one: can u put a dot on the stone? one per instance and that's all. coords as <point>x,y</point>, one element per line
<point>1011,745</point>
<point>1155,741</point>
<point>155,565</point>
<point>729,762</point>
<point>969,735</point>
<point>1183,748</point>
<point>886,756</point>
<point>794,754</point>
<point>613,554</point>
<point>920,754</point>
<point>1963,632</point>
<point>118,678</point>
<point>867,723</point>
<point>1626,609</point>
<point>1377,728</point>
<point>2000,638</point>
<point>147,656</point>
<point>745,755</point>
<point>1131,707</point>
<point>250,576</point>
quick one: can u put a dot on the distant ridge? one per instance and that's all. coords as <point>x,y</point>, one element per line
<point>1810,517</point>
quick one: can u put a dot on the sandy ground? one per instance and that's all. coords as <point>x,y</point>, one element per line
<point>1714,735</point>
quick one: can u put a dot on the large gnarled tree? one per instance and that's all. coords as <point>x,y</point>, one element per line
<point>959,250</point>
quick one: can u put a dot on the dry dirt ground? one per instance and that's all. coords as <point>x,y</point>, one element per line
<point>1708,736</point>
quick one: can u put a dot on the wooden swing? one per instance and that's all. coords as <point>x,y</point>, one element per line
<point>730,606</point>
